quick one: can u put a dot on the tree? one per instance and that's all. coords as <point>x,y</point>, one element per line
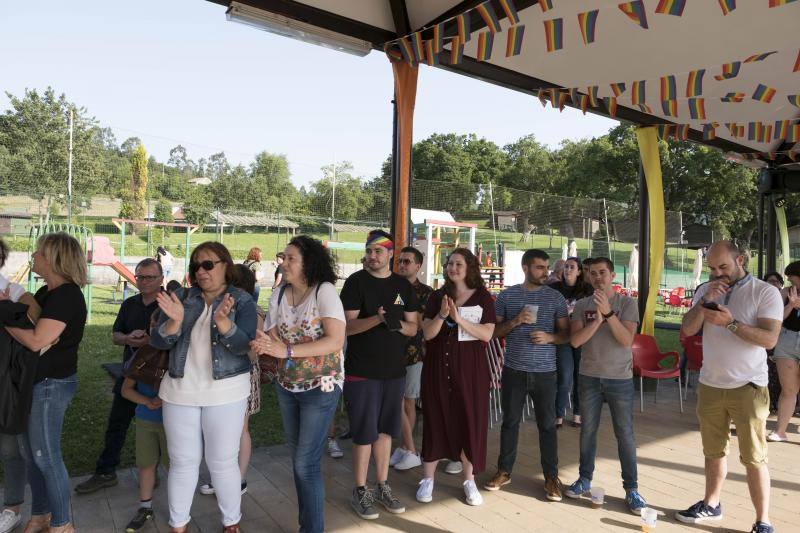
<point>163,213</point>
<point>134,201</point>
<point>129,145</point>
<point>197,206</point>
<point>273,191</point>
<point>353,201</point>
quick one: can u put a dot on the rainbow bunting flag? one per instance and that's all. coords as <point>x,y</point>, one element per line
<point>562,100</point>
<point>778,3</point>
<point>554,34</point>
<point>638,95</point>
<point>682,132</point>
<point>510,10</point>
<point>405,50</point>
<point>759,57</point>
<point>752,128</point>
<point>694,83</point>
<point>456,51</point>
<point>431,57</point>
<point>611,105</point>
<point>587,22</point>
<point>646,109</point>
<point>671,7</point>
<point>546,5</point>
<point>729,70</point>
<point>796,67</point>
<point>766,129</point>
<point>736,130</point>
<point>514,43</point>
<point>697,108</point>
<point>727,6</point>
<point>669,90</point>
<point>794,133</point>
<point>418,47</point>
<point>764,93</point>
<point>574,96</point>
<point>584,103</point>
<point>486,11</point>
<point>635,12</point>
<point>462,24</point>
<point>553,92</point>
<point>592,92</point>
<point>543,97</point>
<point>781,129</point>
<point>485,41</point>
<point>438,37</point>
<point>392,52</point>
<point>733,98</point>
<point>794,99</point>
<point>664,131</point>
<point>670,107</point>
<point>710,131</point>
<point>617,88</point>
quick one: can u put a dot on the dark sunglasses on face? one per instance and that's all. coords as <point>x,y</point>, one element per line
<point>207,265</point>
<point>146,278</point>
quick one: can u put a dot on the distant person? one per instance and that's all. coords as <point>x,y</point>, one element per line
<point>740,317</point>
<point>279,259</point>
<point>167,261</point>
<point>585,265</point>
<point>253,262</point>
<point>557,273</point>
<point>60,260</point>
<point>776,280</point>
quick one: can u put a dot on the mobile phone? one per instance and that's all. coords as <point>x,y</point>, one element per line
<point>714,306</point>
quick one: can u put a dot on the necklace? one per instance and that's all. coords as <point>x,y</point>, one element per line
<point>293,305</point>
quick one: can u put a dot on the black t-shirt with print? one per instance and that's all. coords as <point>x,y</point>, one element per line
<point>65,303</point>
<point>377,353</point>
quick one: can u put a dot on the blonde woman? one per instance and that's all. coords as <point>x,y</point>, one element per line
<point>58,259</point>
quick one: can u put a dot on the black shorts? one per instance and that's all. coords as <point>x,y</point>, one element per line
<point>374,406</point>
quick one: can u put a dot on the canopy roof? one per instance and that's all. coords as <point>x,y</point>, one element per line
<point>703,37</point>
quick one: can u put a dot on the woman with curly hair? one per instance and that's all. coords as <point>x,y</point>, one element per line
<point>455,374</point>
<point>306,331</point>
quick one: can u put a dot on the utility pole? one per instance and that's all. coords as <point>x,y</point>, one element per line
<point>69,173</point>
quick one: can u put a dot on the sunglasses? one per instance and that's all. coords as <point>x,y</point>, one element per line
<point>146,278</point>
<point>207,265</point>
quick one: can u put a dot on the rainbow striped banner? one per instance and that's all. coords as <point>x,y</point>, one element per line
<point>553,92</point>
<point>635,11</point>
<point>694,83</point>
<point>431,57</point>
<point>554,34</point>
<point>486,11</point>
<point>438,37</point>
<point>638,94</point>
<point>485,41</point>
<point>736,130</point>
<point>682,132</point>
<point>562,100</point>
<point>664,131</point>
<point>710,131</point>
<point>733,98</point>
<point>592,92</point>
<point>406,51</point>
<point>778,3</point>
<point>514,43</point>
<point>456,51</point>
<point>669,89</point>
<point>794,134</point>
<point>617,88</point>
<point>729,70</point>
<point>584,103</point>
<point>752,130</point>
<point>462,24</point>
<point>671,7</point>
<point>418,47</point>
<point>646,109</point>
<point>782,129</point>
<point>759,57</point>
<point>587,22</point>
<point>766,131</point>
<point>796,67</point>
<point>697,108</point>
<point>670,107</point>
<point>611,105</point>
<point>542,97</point>
<point>764,93</point>
<point>574,96</point>
<point>510,10</point>
<point>546,5</point>
<point>727,6</point>
<point>794,99</point>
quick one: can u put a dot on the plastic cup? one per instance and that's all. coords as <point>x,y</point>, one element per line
<point>534,309</point>
<point>598,497</point>
<point>649,519</point>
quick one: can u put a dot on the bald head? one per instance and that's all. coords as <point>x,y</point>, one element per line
<point>726,262</point>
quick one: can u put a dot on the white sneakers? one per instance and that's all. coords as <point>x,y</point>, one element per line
<point>772,437</point>
<point>404,460</point>
<point>333,449</point>
<point>471,492</point>
<point>453,467</point>
<point>425,490</point>
<point>9,519</point>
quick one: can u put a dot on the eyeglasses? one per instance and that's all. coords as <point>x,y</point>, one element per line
<point>405,261</point>
<point>146,278</point>
<point>207,265</point>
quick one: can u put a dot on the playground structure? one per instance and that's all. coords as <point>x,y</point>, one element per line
<point>435,234</point>
<point>123,223</point>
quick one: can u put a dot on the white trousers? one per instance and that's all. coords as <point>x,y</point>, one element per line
<point>187,428</point>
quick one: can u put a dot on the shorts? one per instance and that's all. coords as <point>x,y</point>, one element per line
<point>413,380</point>
<point>788,346</point>
<point>748,407</point>
<point>374,406</point>
<point>151,444</point>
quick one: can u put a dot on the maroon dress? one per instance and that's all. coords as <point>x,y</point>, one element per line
<point>455,389</point>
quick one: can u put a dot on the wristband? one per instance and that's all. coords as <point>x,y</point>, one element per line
<point>442,317</point>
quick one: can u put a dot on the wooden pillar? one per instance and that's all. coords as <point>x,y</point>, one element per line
<point>405,94</point>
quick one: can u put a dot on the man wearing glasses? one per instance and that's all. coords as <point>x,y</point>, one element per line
<point>130,330</point>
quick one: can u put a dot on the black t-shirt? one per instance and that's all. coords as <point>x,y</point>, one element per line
<point>65,303</point>
<point>133,315</point>
<point>377,353</point>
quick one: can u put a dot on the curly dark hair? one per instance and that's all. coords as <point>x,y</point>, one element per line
<point>318,263</point>
<point>218,249</point>
<point>473,279</point>
<point>245,279</point>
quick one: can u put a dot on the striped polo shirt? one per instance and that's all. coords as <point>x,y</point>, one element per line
<point>521,354</point>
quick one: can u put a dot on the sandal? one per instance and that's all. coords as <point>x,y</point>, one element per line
<point>576,422</point>
<point>38,524</point>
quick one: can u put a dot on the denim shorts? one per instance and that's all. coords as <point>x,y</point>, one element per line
<point>788,346</point>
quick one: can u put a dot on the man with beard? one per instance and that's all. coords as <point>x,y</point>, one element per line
<point>381,311</point>
<point>740,317</point>
<point>533,318</point>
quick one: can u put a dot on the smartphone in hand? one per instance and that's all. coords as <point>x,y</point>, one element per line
<point>714,306</point>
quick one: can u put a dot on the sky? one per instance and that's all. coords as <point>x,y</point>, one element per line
<point>177,72</point>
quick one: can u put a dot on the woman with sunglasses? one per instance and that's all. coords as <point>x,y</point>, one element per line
<point>572,287</point>
<point>207,329</point>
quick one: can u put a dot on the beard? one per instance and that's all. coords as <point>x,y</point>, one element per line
<point>535,281</point>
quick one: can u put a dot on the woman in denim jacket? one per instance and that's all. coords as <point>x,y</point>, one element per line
<point>207,332</point>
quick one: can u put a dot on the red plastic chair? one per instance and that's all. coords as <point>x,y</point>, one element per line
<point>693,349</point>
<point>646,357</point>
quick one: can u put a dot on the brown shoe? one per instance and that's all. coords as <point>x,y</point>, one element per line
<point>231,529</point>
<point>552,488</point>
<point>500,478</point>
<point>38,524</point>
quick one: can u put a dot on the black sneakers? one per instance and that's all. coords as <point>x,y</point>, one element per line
<point>143,515</point>
<point>96,482</point>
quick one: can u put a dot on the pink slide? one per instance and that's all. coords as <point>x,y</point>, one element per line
<point>102,254</point>
<point>123,271</point>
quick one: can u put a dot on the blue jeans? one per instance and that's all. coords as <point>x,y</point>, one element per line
<point>306,417</point>
<point>618,393</point>
<point>568,361</point>
<point>14,469</point>
<point>41,447</point>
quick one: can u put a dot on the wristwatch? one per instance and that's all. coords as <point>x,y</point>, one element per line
<point>733,326</point>
<point>609,315</point>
